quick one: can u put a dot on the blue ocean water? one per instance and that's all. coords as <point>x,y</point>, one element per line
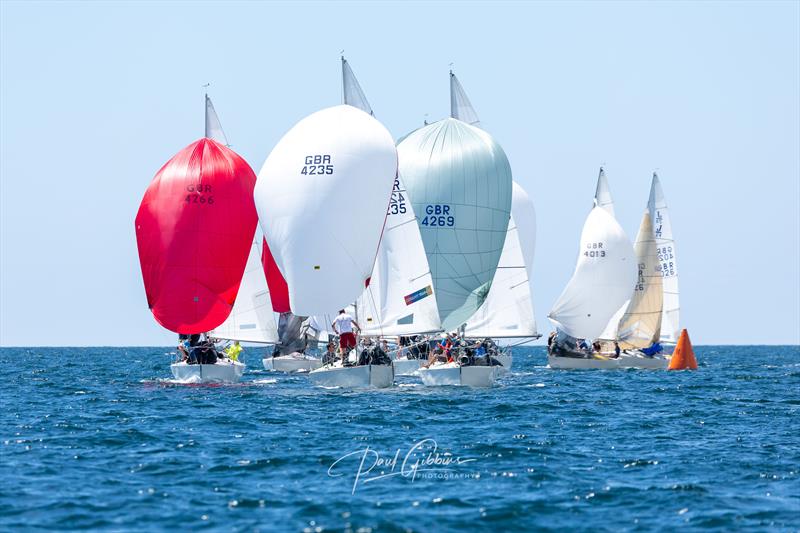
<point>99,438</point>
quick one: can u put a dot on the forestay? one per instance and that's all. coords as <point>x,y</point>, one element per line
<point>602,281</point>
<point>251,319</point>
<point>665,247</point>
<point>194,230</point>
<point>459,183</point>
<point>328,180</point>
<point>640,326</point>
<point>508,310</point>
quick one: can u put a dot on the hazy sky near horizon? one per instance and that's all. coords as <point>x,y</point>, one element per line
<point>95,97</point>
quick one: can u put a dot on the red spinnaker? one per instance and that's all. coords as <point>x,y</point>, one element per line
<point>278,289</point>
<point>194,230</point>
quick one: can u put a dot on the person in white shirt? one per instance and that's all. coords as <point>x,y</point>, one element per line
<point>343,326</point>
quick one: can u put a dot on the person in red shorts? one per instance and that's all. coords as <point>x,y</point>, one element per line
<point>343,326</point>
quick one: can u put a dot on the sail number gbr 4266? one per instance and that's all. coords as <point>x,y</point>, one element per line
<point>316,165</point>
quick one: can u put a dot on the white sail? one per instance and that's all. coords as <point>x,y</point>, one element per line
<point>508,309</point>
<point>321,198</point>
<point>640,326</point>
<point>351,90</point>
<point>611,329</point>
<point>460,106</point>
<point>459,182</point>
<point>602,281</point>
<point>602,195</point>
<point>665,246</point>
<point>251,319</point>
<point>213,127</point>
<point>400,299</point>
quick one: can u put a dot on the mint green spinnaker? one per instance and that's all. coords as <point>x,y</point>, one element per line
<point>459,182</point>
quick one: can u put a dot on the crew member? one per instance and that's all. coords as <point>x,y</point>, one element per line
<point>343,326</point>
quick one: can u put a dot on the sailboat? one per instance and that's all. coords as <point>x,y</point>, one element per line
<point>638,326</point>
<point>459,181</point>
<point>326,164</point>
<point>399,300</point>
<point>604,275</point>
<point>194,229</point>
<point>652,317</point>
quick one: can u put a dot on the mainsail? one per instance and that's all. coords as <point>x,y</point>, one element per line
<point>251,319</point>
<point>459,183</point>
<point>399,299</point>
<point>602,195</point>
<point>665,247</point>
<point>194,229</point>
<point>508,310</point>
<point>640,326</point>
<point>602,281</point>
<point>351,90</point>
<point>460,106</point>
<point>329,179</point>
<point>213,127</point>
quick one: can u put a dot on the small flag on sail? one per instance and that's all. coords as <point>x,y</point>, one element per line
<point>418,295</point>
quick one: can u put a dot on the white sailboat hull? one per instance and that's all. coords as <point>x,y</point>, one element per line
<point>406,367</point>
<point>291,363</point>
<point>625,360</point>
<point>377,376</point>
<point>506,361</point>
<point>227,372</point>
<point>453,374</point>
<point>639,360</point>
<point>581,363</point>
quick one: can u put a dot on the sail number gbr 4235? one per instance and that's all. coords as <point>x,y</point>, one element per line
<point>317,164</point>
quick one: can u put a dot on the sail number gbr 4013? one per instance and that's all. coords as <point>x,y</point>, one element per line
<point>316,165</point>
<point>594,249</point>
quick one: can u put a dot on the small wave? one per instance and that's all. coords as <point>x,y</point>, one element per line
<point>267,381</point>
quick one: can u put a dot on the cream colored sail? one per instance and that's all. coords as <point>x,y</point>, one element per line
<point>667,257</point>
<point>640,326</point>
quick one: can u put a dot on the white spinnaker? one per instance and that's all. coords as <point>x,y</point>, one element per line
<point>400,299</point>
<point>459,182</point>
<point>213,126</point>
<point>328,180</point>
<point>602,281</point>
<point>460,106</point>
<point>665,247</point>
<point>251,319</point>
<point>602,195</point>
<point>351,90</point>
<point>640,326</point>
<point>508,309</point>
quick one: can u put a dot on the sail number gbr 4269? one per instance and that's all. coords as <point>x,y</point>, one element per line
<point>317,164</point>
<point>439,215</point>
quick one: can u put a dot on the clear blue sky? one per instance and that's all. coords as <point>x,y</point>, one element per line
<point>97,96</point>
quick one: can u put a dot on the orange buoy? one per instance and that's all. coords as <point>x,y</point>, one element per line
<point>683,356</point>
